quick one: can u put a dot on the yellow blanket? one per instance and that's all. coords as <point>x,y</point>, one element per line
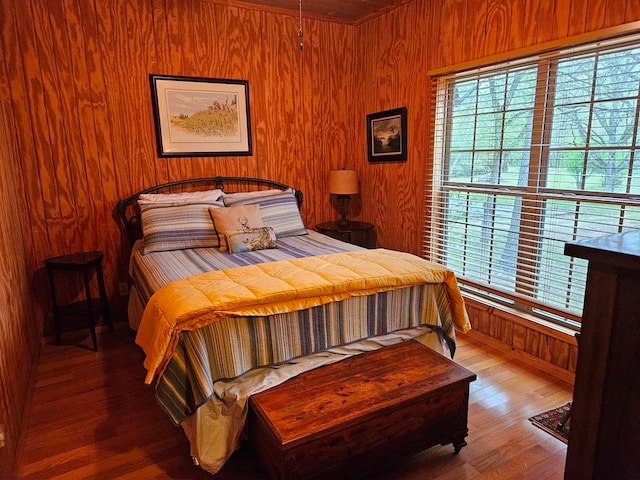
<point>279,287</point>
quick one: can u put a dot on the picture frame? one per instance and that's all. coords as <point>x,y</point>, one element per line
<point>200,117</point>
<point>387,135</point>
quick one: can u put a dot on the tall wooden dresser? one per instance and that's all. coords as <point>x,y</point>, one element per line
<point>605,422</point>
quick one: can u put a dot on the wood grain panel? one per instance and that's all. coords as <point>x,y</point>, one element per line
<point>436,33</point>
<point>328,10</point>
<point>560,353</point>
<point>167,63</point>
<point>221,35</point>
<point>284,101</point>
<point>13,94</point>
<point>416,16</point>
<point>22,65</point>
<point>578,18</point>
<point>331,45</point>
<point>85,153</point>
<point>561,18</point>
<point>554,347</point>
<point>101,35</point>
<point>67,30</point>
<point>517,18</point>
<point>403,65</point>
<point>55,69</point>
<point>370,174</point>
<point>135,28</point>
<point>476,29</point>
<point>595,17</point>
<point>453,27</point>
<point>519,337</point>
<point>545,20</point>
<point>183,42</point>
<point>19,345</point>
<point>500,25</point>
<point>162,60</point>
<point>33,155</point>
<point>632,13</point>
<point>313,203</point>
<point>91,144</point>
<point>615,13</point>
<point>532,344</point>
<point>530,23</point>
<point>108,39</point>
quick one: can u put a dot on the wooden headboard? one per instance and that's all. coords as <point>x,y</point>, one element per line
<point>129,214</point>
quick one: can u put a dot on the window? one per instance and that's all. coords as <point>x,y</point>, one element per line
<point>528,156</point>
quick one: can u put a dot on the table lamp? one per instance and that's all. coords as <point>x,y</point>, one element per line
<point>343,183</point>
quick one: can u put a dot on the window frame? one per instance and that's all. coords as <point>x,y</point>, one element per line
<point>548,55</point>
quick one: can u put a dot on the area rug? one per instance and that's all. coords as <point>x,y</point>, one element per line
<point>548,421</point>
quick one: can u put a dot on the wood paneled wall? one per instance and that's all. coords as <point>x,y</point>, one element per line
<point>78,81</point>
<point>19,328</point>
<point>79,133</point>
<point>397,50</point>
<point>77,128</point>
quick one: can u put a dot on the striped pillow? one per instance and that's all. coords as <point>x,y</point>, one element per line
<point>279,211</point>
<point>176,227</point>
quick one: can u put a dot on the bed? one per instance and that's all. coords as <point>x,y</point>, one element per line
<point>232,294</point>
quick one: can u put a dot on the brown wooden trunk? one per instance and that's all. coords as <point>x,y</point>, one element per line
<point>350,417</point>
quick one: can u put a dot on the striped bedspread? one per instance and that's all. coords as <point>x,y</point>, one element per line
<point>227,348</point>
<point>152,271</point>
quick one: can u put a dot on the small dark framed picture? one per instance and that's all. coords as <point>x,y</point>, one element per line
<point>201,117</point>
<point>387,135</point>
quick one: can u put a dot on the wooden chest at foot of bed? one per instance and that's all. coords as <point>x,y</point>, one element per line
<point>357,415</point>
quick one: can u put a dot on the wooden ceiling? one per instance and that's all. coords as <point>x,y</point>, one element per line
<point>344,11</point>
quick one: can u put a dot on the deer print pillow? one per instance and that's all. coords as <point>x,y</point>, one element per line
<point>251,239</point>
<point>231,219</point>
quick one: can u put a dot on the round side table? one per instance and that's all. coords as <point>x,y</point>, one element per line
<point>88,264</point>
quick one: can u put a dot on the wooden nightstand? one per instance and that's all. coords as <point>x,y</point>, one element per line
<point>86,263</point>
<point>358,233</point>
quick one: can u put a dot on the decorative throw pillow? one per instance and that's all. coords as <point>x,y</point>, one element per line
<point>252,239</point>
<point>279,210</point>
<point>176,227</point>
<point>230,219</point>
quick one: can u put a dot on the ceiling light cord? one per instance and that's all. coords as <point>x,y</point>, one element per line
<point>300,34</point>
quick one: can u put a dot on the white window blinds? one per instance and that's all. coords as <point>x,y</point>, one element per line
<point>527,156</point>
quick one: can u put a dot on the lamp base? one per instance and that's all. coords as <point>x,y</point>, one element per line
<point>343,203</point>
<point>343,222</point>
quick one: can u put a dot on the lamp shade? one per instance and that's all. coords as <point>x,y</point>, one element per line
<point>343,182</point>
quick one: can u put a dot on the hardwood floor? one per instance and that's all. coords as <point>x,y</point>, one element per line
<point>93,417</point>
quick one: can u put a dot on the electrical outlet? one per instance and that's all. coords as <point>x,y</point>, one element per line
<point>2,435</point>
<point>123,287</point>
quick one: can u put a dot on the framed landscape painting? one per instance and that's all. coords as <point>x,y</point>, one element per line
<point>387,135</point>
<point>201,117</point>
